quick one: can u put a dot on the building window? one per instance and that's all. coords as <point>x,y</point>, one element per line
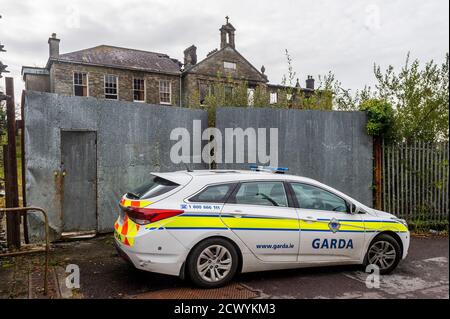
<point>165,92</point>
<point>138,90</point>
<point>289,97</point>
<point>111,91</point>
<point>203,90</point>
<point>229,65</point>
<point>80,84</point>
<point>228,93</point>
<point>250,97</point>
<point>273,98</point>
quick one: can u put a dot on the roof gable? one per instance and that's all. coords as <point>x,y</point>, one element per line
<point>111,56</point>
<point>214,63</point>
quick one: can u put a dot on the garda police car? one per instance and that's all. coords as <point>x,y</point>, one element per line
<point>211,225</point>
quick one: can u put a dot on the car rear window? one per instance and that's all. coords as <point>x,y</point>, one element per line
<point>213,194</point>
<point>156,186</point>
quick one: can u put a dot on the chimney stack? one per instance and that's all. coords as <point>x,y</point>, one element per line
<point>310,82</point>
<point>53,45</point>
<point>190,56</point>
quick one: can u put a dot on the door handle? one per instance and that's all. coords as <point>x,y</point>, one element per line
<point>310,219</point>
<point>238,213</point>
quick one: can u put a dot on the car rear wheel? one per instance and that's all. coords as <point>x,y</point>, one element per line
<point>212,263</point>
<point>385,253</point>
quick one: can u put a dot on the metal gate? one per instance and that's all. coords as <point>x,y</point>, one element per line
<point>79,171</point>
<point>415,180</point>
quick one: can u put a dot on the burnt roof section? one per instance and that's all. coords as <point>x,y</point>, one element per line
<point>118,57</point>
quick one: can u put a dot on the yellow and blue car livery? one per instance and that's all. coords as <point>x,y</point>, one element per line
<point>158,233</point>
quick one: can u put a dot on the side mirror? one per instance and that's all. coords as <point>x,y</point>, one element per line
<point>354,209</point>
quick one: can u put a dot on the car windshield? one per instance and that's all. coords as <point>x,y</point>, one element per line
<point>156,186</point>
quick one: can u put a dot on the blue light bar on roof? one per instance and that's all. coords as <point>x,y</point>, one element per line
<point>268,168</point>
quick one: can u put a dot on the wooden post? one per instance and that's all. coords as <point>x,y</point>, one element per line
<point>22,147</point>
<point>11,186</point>
<point>377,151</point>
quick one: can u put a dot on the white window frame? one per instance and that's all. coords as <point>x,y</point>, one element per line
<point>145,89</point>
<point>251,96</point>
<point>117,86</point>
<point>227,65</point>
<point>87,82</point>
<point>273,99</point>
<point>170,92</point>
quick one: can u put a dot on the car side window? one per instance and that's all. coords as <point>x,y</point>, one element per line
<point>262,193</point>
<point>311,197</point>
<point>213,194</point>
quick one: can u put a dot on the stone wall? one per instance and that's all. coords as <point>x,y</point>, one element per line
<point>208,70</point>
<point>61,75</point>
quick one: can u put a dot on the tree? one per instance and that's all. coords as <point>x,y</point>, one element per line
<point>380,118</point>
<point>2,98</point>
<point>420,98</point>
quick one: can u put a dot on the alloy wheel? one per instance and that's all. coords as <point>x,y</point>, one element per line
<point>382,254</point>
<point>214,263</point>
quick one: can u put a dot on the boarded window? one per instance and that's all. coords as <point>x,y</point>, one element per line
<point>165,92</point>
<point>111,87</point>
<point>80,84</point>
<point>229,65</point>
<point>139,90</point>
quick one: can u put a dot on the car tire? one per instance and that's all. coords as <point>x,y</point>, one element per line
<point>212,263</point>
<point>384,252</point>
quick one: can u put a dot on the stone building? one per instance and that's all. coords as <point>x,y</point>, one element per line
<point>116,73</point>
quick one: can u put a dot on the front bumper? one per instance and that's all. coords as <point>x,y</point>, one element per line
<point>406,239</point>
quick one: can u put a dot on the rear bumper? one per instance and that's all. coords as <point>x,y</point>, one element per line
<point>156,251</point>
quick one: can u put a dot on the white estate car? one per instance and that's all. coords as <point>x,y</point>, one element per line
<point>210,225</point>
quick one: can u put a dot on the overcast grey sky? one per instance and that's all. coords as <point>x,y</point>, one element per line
<point>345,36</point>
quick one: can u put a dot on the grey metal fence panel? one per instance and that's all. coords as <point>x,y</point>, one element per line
<point>329,146</point>
<point>132,140</point>
<point>415,180</point>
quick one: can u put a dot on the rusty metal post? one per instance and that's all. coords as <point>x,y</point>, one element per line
<point>11,186</point>
<point>377,151</point>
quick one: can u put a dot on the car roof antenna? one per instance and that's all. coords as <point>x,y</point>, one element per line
<point>187,168</point>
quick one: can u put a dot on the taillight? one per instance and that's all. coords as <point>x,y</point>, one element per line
<point>145,216</point>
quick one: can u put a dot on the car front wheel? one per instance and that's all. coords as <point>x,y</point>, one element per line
<point>212,263</point>
<point>385,253</point>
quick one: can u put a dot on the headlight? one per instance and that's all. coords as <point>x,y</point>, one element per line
<point>402,221</point>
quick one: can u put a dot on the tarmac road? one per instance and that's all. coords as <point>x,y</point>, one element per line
<point>103,274</point>
<point>424,274</point>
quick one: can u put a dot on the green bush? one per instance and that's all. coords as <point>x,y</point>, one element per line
<point>380,120</point>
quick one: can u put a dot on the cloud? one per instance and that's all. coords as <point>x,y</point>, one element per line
<point>346,37</point>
